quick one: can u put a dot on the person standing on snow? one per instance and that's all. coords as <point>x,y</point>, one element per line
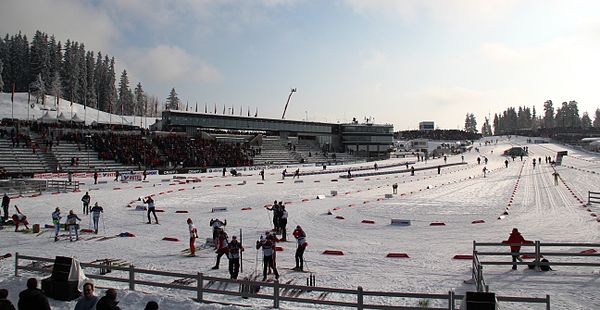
<point>86,203</point>
<point>151,209</point>
<point>262,174</point>
<point>302,244</point>
<point>283,222</point>
<point>96,210</point>
<point>5,204</point>
<point>275,208</point>
<point>516,238</point>
<point>267,245</point>
<point>56,222</point>
<point>221,247</point>
<point>234,248</point>
<point>72,219</point>
<point>193,235</point>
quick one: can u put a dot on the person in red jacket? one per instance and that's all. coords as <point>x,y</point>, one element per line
<point>514,238</point>
<point>221,247</point>
<point>193,236</point>
<point>301,240</point>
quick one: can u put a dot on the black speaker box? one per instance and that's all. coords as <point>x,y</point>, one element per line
<point>480,301</point>
<point>62,268</point>
<point>60,290</point>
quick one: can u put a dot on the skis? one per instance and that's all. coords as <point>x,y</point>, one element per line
<point>7,255</point>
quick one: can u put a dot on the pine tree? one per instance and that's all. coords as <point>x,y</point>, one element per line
<point>40,57</point>
<point>123,93</point>
<point>172,100</point>
<point>586,121</point>
<point>486,129</point>
<point>38,89</point>
<point>596,122</point>
<point>1,69</point>
<point>548,120</point>
<point>140,100</point>
<point>90,96</point>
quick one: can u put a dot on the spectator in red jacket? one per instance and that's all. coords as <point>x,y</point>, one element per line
<point>514,238</point>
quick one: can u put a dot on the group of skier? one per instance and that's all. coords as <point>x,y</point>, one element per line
<point>280,216</point>
<point>71,222</point>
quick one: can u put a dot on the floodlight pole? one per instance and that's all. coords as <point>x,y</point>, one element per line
<point>293,90</point>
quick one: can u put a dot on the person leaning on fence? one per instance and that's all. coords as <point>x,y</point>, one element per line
<point>516,238</point>
<point>88,301</point>
<point>108,301</point>
<point>33,298</point>
<point>5,304</point>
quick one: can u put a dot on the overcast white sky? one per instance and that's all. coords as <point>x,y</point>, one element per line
<point>398,61</point>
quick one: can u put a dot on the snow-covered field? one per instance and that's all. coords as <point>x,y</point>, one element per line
<point>541,211</point>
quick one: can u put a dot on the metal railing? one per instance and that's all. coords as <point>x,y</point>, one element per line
<point>277,292</point>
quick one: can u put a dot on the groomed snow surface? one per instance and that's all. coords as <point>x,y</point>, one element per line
<point>458,196</point>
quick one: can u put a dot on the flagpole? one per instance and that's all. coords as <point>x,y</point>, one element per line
<point>12,100</point>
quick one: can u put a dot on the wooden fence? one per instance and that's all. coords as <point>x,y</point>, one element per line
<point>593,197</point>
<point>200,285</point>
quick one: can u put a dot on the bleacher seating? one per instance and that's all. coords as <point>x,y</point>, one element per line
<point>20,159</point>
<point>275,151</point>
<point>88,159</point>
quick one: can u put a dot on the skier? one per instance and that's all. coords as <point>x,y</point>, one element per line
<point>283,174</point>
<point>234,248</point>
<point>349,174</point>
<point>296,173</point>
<point>216,224</point>
<point>275,208</point>
<point>96,210</point>
<point>145,174</point>
<point>5,204</point>
<point>19,218</point>
<point>283,223</point>
<point>193,236</point>
<point>86,203</point>
<point>555,175</point>
<point>221,247</point>
<point>514,238</point>
<point>302,244</point>
<point>72,219</point>
<point>267,245</point>
<point>395,188</point>
<point>439,169</point>
<point>262,174</point>
<point>56,222</point>
<point>375,166</point>
<point>116,176</point>
<point>151,209</point>
<point>224,171</point>
<point>506,163</point>
<point>478,160</point>
<point>95,177</point>
<point>484,171</point>
<point>412,170</point>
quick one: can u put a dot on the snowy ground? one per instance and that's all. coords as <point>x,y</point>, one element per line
<point>541,211</point>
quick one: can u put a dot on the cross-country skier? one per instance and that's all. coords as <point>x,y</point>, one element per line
<point>296,173</point>
<point>555,175</point>
<point>275,208</point>
<point>216,225</point>
<point>283,223</point>
<point>95,177</point>
<point>19,218</point>
<point>262,174</point>
<point>86,203</point>
<point>72,219</point>
<point>234,249</point>
<point>221,247</point>
<point>283,174</point>
<point>193,236</point>
<point>267,244</point>
<point>151,209</point>
<point>96,210</point>
<point>302,244</point>
<point>395,188</point>
<point>56,222</point>
<point>5,204</point>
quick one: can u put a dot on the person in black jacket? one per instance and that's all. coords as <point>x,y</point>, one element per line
<point>108,301</point>
<point>5,304</point>
<point>32,298</point>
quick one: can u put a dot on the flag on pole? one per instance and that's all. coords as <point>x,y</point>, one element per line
<point>215,108</point>
<point>248,111</point>
<point>256,114</point>
<point>240,110</point>
<point>223,109</point>
<point>156,108</point>
<point>109,105</point>
<point>146,107</point>
<point>196,106</point>
<point>205,108</point>
<point>186,105</point>
<point>12,94</point>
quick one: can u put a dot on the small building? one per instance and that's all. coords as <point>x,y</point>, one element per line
<point>426,125</point>
<point>515,151</point>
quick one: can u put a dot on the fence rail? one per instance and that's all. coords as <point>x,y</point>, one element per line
<point>593,197</point>
<point>355,298</point>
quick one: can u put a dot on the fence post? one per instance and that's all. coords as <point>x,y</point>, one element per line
<point>199,286</point>
<point>132,277</point>
<point>276,294</point>
<point>547,302</point>
<point>16,264</point>
<point>451,300</point>
<point>537,255</point>
<point>359,296</point>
